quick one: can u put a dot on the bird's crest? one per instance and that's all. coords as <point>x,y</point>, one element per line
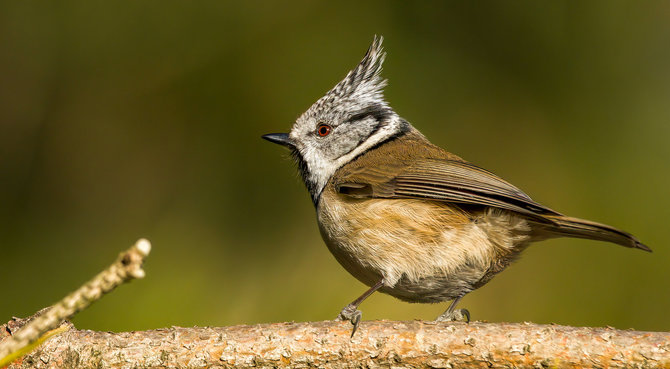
<point>364,81</point>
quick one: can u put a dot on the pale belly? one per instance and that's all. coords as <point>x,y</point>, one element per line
<point>425,251</point>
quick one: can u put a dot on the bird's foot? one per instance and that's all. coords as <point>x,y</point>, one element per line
<point>458,315</point>
<point>352,314</point>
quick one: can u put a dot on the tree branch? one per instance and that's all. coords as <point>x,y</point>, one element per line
<point>317,344</point>
<point>377,343</point>
<point>41,326</point>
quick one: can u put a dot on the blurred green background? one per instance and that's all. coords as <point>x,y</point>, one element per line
<point>121,120</point>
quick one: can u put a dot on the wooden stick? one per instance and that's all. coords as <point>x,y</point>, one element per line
<point>127,266</point>
<point>376,344</point>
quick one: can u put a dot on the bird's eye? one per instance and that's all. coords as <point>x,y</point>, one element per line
<point>323,130</point>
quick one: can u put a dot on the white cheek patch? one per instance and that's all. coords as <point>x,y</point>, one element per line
<point>321,169</point>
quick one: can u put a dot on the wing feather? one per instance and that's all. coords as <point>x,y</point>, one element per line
<point>441,180</point>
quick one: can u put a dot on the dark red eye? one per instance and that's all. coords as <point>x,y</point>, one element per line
<point>323,130</point>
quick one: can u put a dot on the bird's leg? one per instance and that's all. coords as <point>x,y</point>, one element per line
<point>451,314</point>
<point>351,312</point>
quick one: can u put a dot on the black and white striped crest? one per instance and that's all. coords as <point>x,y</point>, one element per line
<point>365,80</point>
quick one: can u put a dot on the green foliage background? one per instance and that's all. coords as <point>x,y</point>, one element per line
<point>121,120</point>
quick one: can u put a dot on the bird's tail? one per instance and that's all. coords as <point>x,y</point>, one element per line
<point>562,226</point>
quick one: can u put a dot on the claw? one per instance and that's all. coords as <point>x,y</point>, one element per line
<point>459,315</point>
<point>467,315</point>
<point>350,313</point>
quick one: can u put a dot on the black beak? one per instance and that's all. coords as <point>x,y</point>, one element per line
<point>279,138</point>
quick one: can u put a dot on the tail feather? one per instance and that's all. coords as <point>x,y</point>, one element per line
<point>573,227</point>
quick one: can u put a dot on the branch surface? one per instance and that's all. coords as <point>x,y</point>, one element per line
<point>31,332</point>
<point>328,344</point>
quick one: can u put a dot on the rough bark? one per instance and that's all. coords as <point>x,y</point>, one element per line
<point>328,344</point>
<point>128,266</point>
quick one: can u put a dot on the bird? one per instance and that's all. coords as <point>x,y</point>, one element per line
<point>404,216</point>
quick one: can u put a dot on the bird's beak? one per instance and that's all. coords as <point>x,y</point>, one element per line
<point>279,138</point>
